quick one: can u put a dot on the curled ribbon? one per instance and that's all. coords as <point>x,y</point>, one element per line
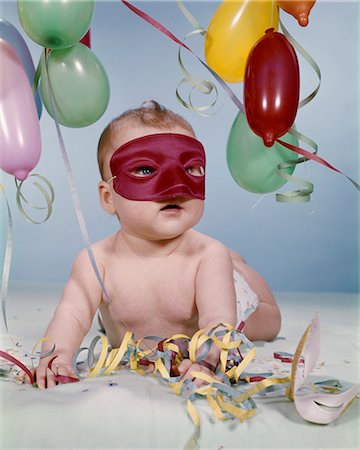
<point>9,244</point>
<point>7,260</point>
<point>315,157</point>
<point>206,87</point>
<point>225,401</point>
<point>308,58</point>
<point>71,180</point>
<point>170,35</point>
<point>49,198</point>
<point>301,195</point>
<point>238,103</point>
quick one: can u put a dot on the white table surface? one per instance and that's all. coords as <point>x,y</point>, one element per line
<point>142,413</point>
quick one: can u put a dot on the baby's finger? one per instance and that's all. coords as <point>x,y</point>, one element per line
<point>61,370</point>
<point>50,378</point>
<point>199,368</point>
<point>41,377</point>
<point>190,374</point>
<point>184,366</point>
<point>150,368</point>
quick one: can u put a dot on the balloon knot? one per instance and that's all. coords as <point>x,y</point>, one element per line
<point>270,30</point>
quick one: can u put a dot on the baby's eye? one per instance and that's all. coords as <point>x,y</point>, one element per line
<point>143,171</point>
<point>196,170</point>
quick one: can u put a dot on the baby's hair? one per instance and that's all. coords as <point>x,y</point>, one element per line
<point>150,114</point>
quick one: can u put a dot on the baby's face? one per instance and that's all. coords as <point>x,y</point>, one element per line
<point>165,217</point>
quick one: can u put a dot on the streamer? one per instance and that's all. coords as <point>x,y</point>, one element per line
<point>284,197</point>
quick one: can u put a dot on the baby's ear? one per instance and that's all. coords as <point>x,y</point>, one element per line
<point>106,198</point>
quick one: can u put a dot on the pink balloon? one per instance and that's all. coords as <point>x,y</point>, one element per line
<point>19,124</point>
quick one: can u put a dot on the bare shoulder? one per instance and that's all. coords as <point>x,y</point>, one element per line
<point>207,246</point>
<point>101,251</point>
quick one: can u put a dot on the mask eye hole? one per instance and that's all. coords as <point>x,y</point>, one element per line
<point>196,170</point>
<point>142,171</point>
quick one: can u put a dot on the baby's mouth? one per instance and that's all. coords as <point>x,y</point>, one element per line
<point>170,206</point>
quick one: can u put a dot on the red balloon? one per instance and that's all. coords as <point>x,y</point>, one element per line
<point>86,39</point>
<point>300,9</point>
<point>271,87</point>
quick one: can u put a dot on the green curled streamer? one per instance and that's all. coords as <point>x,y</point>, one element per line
<point>206,87</point>
<point>297,196</point>
<point>49,198</point>
<point>189,17</point>
<point>301,195</point>
<point>308,59</point>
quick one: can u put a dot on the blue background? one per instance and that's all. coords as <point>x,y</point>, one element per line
<point>296,247</point>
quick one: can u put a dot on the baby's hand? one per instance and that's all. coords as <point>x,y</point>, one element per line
<point>46,378</point>
<point>186,367</point>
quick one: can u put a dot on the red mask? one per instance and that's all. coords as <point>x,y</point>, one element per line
<point>159,166</point>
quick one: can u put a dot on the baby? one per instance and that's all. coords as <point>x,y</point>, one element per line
<point>162,277</point>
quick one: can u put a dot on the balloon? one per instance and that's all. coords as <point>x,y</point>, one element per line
<point>19,123</point>
<point>55,23</point>
<point>79,85</point>
<point>300,9</point>
<point>252,165</point>
<point>271,87</point>
<point>232,32</point>
<point>14,38</point>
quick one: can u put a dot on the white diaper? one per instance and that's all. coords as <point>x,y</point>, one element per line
<point>246,300</point>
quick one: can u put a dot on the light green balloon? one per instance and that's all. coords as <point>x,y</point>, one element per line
<point>252,165</point>
<point>55,23</point>
<point>79,83</point>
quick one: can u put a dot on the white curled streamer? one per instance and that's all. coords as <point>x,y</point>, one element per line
<point>48,196</point>
<point>72,185</point>
<point>7,260</point>
<point>206,87</point>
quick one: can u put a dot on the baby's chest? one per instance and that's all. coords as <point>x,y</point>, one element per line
<point>141,292</point>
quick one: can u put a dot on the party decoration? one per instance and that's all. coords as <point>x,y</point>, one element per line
<point>232,32</point>
<point>55,23</point>
<point>232,95</point>
<point>205,87</point>
<point>10,34</point>
<point>19,125</point>
<point>300,9</point>
<point>72,185</point>
<point>86,40</point>
<point>79,85</point>
<point>47,193</point>
<point>229,395</point>
<point>311,402</point>
<point>7,261</point>
<point>271,87</point>
<point>252,165</point>
<point>154,23</point>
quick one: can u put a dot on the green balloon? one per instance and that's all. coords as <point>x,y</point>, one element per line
<point>79,86</point>
<point>252,165</point>
<point>55,23</point>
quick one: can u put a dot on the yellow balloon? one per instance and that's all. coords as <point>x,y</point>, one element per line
<point>233,30</point>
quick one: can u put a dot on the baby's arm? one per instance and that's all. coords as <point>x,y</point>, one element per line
<point>215,298</point>
<point>263,324</point>
<point>71,321</point>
